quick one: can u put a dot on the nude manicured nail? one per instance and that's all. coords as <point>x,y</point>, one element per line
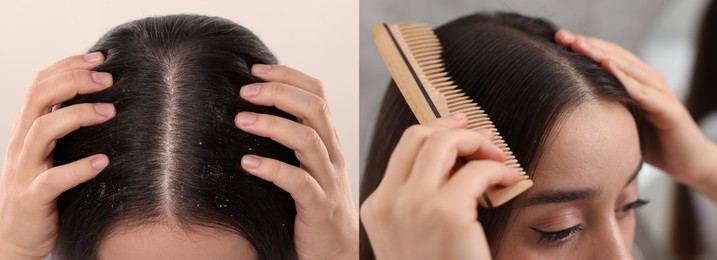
<point>100,163</point>
<point>458,117</point>
<point>246,118</point>
<point>93,57</point>
<point>250,161</point>
<point>261,68</point>
<point>514,172</point>
<point>103,78</point>
<point>250,90</point>
<point>104,109</point>
<point>458,120</point>
<point>485,132</point>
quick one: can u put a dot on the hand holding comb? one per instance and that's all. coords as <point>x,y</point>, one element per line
<point>412,53</point>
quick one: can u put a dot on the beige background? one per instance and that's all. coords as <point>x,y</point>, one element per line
<point>319,37</point>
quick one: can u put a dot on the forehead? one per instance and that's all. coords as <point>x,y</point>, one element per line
<point>160,241</point>
<point>595,145</point>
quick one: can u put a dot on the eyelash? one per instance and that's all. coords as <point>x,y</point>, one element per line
<point>633,205</point>
<point>557,236</point>
<point>562,235</point>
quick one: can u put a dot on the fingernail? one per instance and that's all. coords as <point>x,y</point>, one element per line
<point>261,68</point>
<point>250,90</point>
<point>100,163</point>
<point>485,132</point>
<point>104,109</point>
<point>568,36</point>
<point>458,120</point>
<point>103,78</point>
<point>458,116</point>
<point>250,161</point>
<point>246,118</point>
<point>93,57</point>
<point>514,173</point>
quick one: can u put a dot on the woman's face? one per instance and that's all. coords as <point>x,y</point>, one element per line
<point>159,241</point>
<point>581,204</point>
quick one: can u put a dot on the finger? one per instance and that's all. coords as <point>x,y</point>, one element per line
<point>639,71</point>
<point>607,47</point>
<point>47,129</point>
<point>297,182</point>
<point>54,90</point>
<point>476,177</point>
<point>404,155</point>
<point>436,158</point>
<point>633,87</point>
<point>311,109</point>
<point>304,140</point>
<point>582,47</point>
<point>591,47</point>
<point>564,37</point>
<point>601,51</point>
<point>653,103</point>
<point>289,76</point>
<point>76,62</point>
<point>53,182</point>
<point>64,86</point>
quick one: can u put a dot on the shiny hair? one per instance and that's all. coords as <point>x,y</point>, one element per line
<point>686,236</point>
<point>173,147</point>
<point>510,65</point>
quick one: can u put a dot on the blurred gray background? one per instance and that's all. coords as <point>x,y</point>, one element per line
<point>661,32</point>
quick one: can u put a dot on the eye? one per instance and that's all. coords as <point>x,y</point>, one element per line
<point>547,237</point>
<point>631,206</point>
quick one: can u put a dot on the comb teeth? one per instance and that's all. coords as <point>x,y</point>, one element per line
<point>435,94</point>
<point>424,49</point>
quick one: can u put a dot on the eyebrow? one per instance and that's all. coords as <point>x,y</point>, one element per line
<point>563,196</point>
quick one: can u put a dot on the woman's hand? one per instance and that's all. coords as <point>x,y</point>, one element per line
<point>425,206</point>
<point>30,185</point>
<point>326,225</point>
<point>675,144</point>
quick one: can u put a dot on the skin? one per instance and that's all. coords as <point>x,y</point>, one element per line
<point>597,148</point>
<point>439,221</point>
<point>326,225</point>
<point>163,241</point>
<point>417,211</point>
<point>30,184</point>
<point>676,144</point>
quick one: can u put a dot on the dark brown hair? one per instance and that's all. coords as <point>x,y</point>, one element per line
<point>686,239</point>
<point>174,150</point>
<point>510,65</point>
<point>703,90</point>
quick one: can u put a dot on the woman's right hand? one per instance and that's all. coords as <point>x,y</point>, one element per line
<point>425,206</point>
<point>30,185</point>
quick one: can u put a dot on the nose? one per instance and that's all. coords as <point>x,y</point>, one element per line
<point>610,243</point>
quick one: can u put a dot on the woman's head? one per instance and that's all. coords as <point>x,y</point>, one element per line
<point>568,121</point>
<point>174,183</point>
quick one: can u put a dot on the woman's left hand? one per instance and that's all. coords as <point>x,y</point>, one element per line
<point>326,225</point>
<point>675,142</point>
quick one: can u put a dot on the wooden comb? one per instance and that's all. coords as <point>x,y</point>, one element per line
<point>412,53</point>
